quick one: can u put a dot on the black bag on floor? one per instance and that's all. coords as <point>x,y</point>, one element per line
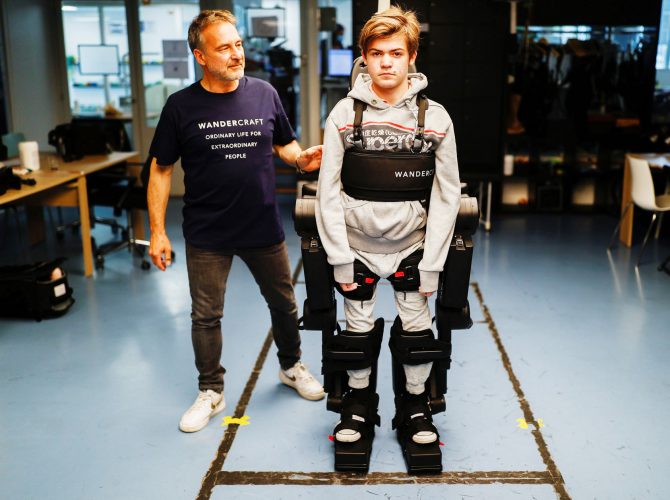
<point>29,291</point>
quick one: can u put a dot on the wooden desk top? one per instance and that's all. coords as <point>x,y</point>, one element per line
<point>46,178</point>
<point>89,164</point>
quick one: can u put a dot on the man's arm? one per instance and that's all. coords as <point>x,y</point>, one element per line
<point>305,161</point>
<point>158,193</point>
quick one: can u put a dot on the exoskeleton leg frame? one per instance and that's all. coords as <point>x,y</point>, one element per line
<point>414,411</point>
<point>357,407</point>
<point>344,350</point>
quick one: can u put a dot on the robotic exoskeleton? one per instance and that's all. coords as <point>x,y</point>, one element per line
<point>369,175</point>
<point>342,351</point>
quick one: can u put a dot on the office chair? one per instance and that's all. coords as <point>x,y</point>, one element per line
<point>93,134</point>
<point>643,195</point>
<point>120,191</point>
<point>124,193</point>
<point>99,136</point>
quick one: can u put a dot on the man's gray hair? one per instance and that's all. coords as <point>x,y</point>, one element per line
<point>204,19</point>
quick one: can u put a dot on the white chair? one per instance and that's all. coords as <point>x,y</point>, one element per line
<point>642,193</point>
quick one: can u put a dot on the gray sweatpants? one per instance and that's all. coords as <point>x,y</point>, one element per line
<point>412,308</point>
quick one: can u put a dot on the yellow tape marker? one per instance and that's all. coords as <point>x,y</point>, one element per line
<point>227,420</point>
<point>539,423</point>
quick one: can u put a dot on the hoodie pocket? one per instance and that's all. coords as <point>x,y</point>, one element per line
<point>357,214</point>
<point>420,212</point>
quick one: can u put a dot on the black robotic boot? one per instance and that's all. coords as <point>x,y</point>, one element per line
<point>413,415</point>
<point>414,412</point>
<point>352,351</point>
<point>359,414</point>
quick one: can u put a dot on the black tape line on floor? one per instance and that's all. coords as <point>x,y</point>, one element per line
<point>552,469</point>
<point>379,478</point>
<point>209,481</point>
<point>216,476</point>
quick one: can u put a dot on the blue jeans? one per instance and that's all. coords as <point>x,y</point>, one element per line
<point>207,276</point>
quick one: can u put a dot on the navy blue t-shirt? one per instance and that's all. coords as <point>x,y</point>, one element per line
<point>225,144</point>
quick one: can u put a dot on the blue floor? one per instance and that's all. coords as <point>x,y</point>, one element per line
<point>560,390</point>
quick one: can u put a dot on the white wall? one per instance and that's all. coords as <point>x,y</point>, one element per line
<point>35,68</point>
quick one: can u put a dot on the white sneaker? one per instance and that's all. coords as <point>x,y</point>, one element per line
<point>207,404</point>
<point>302,381</point>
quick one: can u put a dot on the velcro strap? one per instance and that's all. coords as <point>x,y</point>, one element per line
<point>409,405</point>
<point>407,277</point>
<point>356,425</point>
<point>343,347</point>
<point>352,424</point>
<point>349,351</point>
<point>352,407</point>
<point>366,281</point>
<point>422,423</point>
<point>418,347</point>
<point>361,410</point>
<point>366,409</point>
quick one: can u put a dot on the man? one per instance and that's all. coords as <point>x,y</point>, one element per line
<point>225,128</point>
<point>379,233</point>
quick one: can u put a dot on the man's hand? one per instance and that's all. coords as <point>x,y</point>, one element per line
<point>349,287</point>
<point>160,251</point>
<point>158,193</point>
<point>426,294</point>
<point>309,160</point>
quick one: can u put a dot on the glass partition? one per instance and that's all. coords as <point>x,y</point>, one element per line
<point>96,51</point>
<point>167,62</point>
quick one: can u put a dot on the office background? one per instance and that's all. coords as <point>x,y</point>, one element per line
<point>559,390</point>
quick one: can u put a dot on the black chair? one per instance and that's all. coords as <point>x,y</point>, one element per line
<point>94,135</point>
<point>97,135</point>
<point>124,193</point>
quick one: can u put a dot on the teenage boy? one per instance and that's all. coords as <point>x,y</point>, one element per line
<point>381,234</point>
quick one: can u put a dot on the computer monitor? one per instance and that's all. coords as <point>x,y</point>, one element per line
<point>340,62</point>
<point>99,59</point>
<point>265,23</point>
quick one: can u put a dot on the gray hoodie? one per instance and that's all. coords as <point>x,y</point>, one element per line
<point>350,228</point>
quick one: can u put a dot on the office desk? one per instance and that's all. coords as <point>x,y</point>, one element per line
<point>655,161</point>
<point>66,186</point>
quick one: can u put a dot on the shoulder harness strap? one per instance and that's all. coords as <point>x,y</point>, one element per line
<point>422,101</point>
<point>359,107</point>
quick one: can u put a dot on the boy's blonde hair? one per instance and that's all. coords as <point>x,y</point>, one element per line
<point>204,19</point>
<point>388,23</point>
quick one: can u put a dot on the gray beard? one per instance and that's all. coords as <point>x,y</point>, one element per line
<point>228,77</point>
